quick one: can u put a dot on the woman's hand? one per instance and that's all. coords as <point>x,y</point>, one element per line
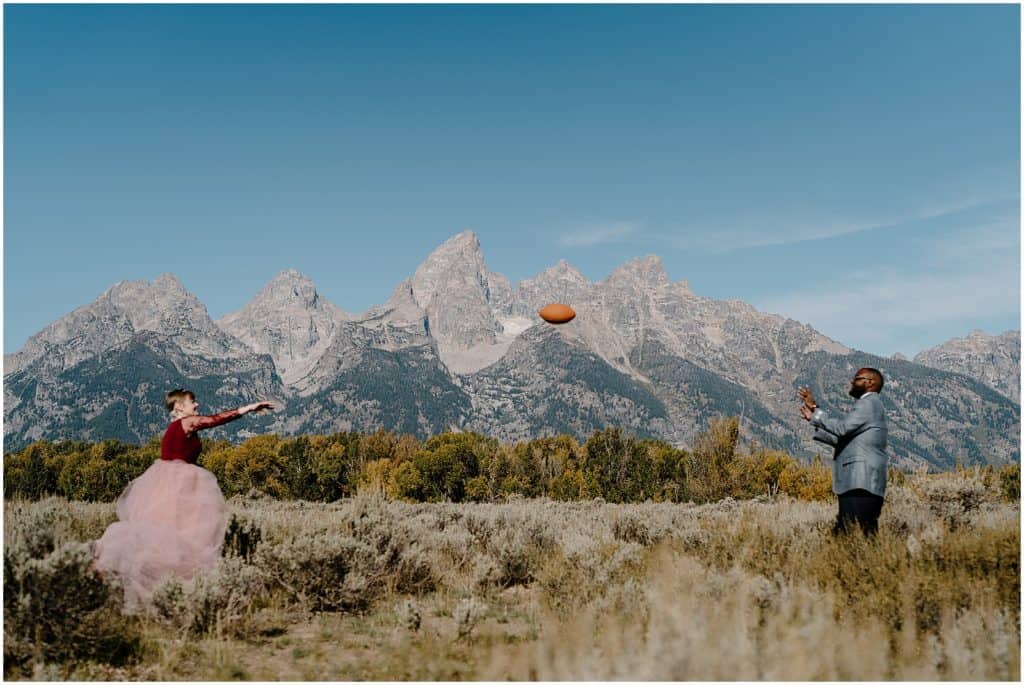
<point>255,406</point>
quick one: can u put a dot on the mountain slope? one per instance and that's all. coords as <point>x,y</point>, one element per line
<point>119,393</point>
<point>548,383</point>
<point>992,359</point>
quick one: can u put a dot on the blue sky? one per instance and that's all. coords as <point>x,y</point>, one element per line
<point>853,167</point>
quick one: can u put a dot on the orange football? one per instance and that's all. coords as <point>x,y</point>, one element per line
<point>557,313</point>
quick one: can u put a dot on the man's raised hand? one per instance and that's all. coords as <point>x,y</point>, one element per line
<point>808,398</point>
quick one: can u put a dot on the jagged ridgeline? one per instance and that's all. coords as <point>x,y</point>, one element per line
<point>457,347</point>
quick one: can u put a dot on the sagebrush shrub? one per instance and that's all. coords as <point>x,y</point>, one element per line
<point>348,563</point>
<point>58,608</point>
<point>241,537</point>
<point>215,602</point>
<point>514,554</point>
<point>408,612</point>
<point>954,496</point>
<point>31,530</point>
<point>327,570</point>
<point>467,615</point>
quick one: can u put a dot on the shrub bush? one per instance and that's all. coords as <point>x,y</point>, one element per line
<point>348,566</point>
<point>216,602</point>
<point>242,537</point>
<point>58,608</point>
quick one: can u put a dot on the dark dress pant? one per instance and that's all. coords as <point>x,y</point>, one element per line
<point>858,507</point>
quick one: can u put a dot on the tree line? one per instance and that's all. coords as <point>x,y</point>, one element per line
<point>455,467</point>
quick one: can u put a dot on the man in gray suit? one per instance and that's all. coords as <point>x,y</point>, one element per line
<point>860,468</point>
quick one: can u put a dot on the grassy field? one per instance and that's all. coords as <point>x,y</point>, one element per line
<point>368,588</point>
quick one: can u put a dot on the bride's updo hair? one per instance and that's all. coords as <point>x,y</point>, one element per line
<point>175,395</point>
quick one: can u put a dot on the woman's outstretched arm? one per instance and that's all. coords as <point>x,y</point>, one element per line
<point>191,424</point>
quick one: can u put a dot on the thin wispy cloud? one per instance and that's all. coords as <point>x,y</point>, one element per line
<point>872,307</point>
<point>599,235</point>
<point>771,232</point>
<point>981,241</point>
<point>835,230</point>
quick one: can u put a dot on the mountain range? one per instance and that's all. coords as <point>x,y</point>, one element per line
<point>458,347</point>
<point>994,360</point>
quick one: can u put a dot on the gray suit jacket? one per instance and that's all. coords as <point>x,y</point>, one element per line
<point>859,439</point>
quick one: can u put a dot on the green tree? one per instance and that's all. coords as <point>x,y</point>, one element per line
<point>620,466</point>
<point>100,472</point>
<point>449,460</point>
<point>548,458</point>
<point>255,465</point>
<point>708,470</point>
<point>572,484</point>
<point>669,466</point>
<point>405,482</point>
<point>31,473</point>
<point>296,468</point>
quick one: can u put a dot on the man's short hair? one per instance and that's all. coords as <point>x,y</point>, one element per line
<point>878,375</point>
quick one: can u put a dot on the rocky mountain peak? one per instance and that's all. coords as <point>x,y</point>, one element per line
<point>461,299</point>
<point>559,283</point>
<point>292,287</point>
<point>126,309</point>
<point>562,273</point>
<point>992,359</point>
<point>400,308</point>
<point>458,259</point>
<point>454,299</point>
<point>169,282</point>
<point>466,240</point>
<point>162,306</point>
<point>165,306</point>
<point>564,269</point>
<point>460,248</point>
<point>643,272</point>
<point>290,276</point>
<point>454,342</point>
<point>289,320</point>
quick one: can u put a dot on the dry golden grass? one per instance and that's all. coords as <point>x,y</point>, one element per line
<point>537,589</point>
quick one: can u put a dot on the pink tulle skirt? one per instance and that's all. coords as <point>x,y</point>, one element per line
<point>171,520</point>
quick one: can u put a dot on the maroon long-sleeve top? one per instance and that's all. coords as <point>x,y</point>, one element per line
<point>181,441</point>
